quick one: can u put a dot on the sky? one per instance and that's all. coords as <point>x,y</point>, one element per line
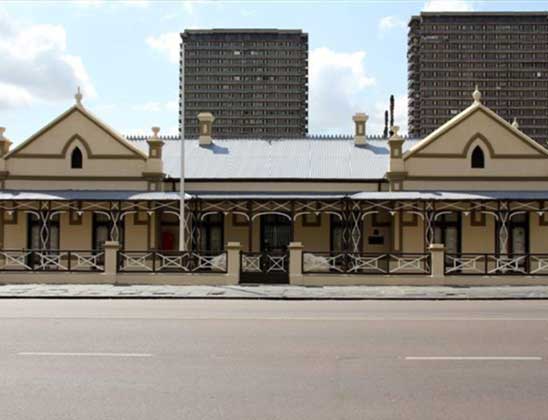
<point>125,56</point>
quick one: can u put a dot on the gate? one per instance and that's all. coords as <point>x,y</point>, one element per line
<point>264,267</point>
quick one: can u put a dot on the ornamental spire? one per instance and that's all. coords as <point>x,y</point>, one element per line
<point>515,123</point>
<point>476,95</point>
<point>78,97</point>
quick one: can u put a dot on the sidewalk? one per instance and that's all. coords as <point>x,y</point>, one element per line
<point>283,292</point>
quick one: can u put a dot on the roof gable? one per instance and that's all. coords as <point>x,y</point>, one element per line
<point>71,131</point>
<point>454,138</point>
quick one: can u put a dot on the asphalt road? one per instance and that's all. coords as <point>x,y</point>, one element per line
<point>153,359</point>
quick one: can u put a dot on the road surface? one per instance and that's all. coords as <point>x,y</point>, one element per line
<point>189,359</point>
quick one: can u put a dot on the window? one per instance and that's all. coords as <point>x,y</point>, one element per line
<point>478,159</point>
<point>211,233</point>
<point>76,159</point>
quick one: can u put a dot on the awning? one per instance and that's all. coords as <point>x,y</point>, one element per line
<point>451,195</point>
<point>88,195</point>
<point>263,195</point>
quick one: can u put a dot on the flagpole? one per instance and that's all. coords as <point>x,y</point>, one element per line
<point>182,221</point>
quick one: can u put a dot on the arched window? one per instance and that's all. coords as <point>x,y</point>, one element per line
<point>478,159</point>
<point>76,159</point>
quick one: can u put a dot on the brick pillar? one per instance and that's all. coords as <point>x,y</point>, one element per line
<point>111,257</point>
<point>295,262</point>
<point>437,253</point>
<point>233,262</point>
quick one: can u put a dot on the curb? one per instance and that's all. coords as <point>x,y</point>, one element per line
<point>280,298</point>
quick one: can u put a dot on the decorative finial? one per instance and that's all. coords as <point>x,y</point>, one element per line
<point>2,131</point>
<point>155,131</point>
<point>476,95</point>
<point>78,97</point>
<point>395,129</point>
<point>515,123</point>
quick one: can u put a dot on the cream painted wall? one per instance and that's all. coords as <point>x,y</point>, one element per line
<point>75,237</point>
<point>45,184</point>
<point>465,185</point>
<point>136,236</point>
<point>480,239</point>
<point>384,231</point>
<point>538,235</point>
<point>236,233</point>
<point>15,236</point>
<point>327,186</point>
<point>54,140</point>
<point>500,137</point>
<point>313,238</point>
<point>413,237</point>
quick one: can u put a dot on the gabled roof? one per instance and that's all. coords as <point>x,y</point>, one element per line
<point>310,158</point>
<point>83,111</point>
<point>477,106</point>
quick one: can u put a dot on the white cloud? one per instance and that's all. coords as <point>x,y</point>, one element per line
<point>155,106</point>
<point>337,82</point>
<point>375,125</point>
<point>36,65</point>
<point>448,6</point>
<point>13,96</point>
<point>167,43</point>
<point>390,22</point>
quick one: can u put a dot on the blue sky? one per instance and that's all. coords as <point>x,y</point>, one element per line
<point>124,54</point>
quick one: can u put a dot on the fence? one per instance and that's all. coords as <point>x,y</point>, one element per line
<point>51,260</point>
<point>496,264</point>
<point>366,263</point>
<point>171,262</point>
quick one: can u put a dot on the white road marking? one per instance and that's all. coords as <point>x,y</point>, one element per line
<point>525,358</point>
<point>32,353</point>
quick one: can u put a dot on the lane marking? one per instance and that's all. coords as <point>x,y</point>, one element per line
<point>524,358</point>
<point>73,354</point>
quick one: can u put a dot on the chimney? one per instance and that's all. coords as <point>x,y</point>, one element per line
<point>360,120</point>
<point>205,121</point>
<point>5,143</point>
<point>155,144</point>
<point>154,172</point>
<point>396,171</point>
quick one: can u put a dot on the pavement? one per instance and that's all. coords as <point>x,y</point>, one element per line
<point>273,292</point>
<point>63,359</point>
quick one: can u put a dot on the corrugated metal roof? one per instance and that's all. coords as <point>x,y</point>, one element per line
<point>309,158</point>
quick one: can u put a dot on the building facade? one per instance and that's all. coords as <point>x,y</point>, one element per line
<point>504,53</point>
<point>255,82</point>
<point>467,204</point>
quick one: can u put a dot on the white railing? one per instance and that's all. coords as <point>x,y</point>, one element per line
<point>496,264</point>
<point>171,261</point>
<point>366,263</point>
<point>51,260</point>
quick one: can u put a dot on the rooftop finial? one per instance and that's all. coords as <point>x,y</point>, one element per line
<point>2,131</point>
<point>78,97</point>
<point>395,129</point>
<point>155,131</point>
<point>515,123</point>
<point>476,95</point>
